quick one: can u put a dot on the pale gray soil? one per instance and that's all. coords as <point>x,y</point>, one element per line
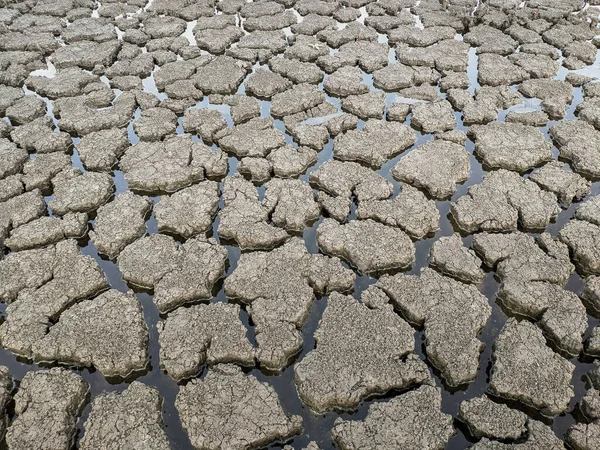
<point>300,224</point>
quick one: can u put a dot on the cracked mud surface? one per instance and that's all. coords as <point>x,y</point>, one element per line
<point>300,224</point>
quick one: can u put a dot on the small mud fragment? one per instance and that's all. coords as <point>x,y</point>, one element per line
<point>539,435</point>
<point>436,166</point>
<point>108,333</point>
<point>533,273</point>
<point>190,211</point>
<point>244,219</point>
<point>279,286</point>
<point>410,210</point>
<point>411,420</point>
<point>140,407</point>
<point>206,123</point>
<point>510,146</point>
<point>203,334</point>
<point>365,106</point>
<point>502,202</point>
<point>47,230</point>
<point>119,223</point>
<point>450,257</point>
<point>50,399</point>
<point>579,143</point>
<point>101,150</point>
<point>431,300</point>
<point>170,165</point>
<point>486,418</point>
<point>40,136</point>
<point>567,186</point>
<point>6,387</point>
<point>12,158</point>
<point>526,370</point>
<point>39,285</point>
<point>377,142</point>
<point>251,415</point>
<point>291,203</point>
<point>433,116</point>
<point>582,237</point>
<point>591,293</point>
<point>370,246</point>
<point>80,192</point>
<point>155,123</point>
<point>39,171</point>
<point>344,179</point>
<point>255,138</point>
<point>178,274</point>
<point>350,344</point>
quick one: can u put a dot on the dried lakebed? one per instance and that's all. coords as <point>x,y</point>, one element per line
<point>300,224</point>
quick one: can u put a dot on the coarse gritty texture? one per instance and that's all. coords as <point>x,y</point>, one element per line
<point>21,209</point>
<point>119,223</point>
<point>368,245</point>
<point>12,158</point>
<point>486,418</point>
<point>520,351</point>
<point>344,179</point>
<point>589,210</point>
<point>435,166</point>
<point>591,294</point>
<point>38,172</point>
<point>300,98</point>
<point>291,203</point>
<point>592,346</point>
<point>76,116</point>
<point>579,143</point>
<point>279,287</point>
<point>212,334</point>
<point>377,142</point>
<point>584,436</point>
<point>533,273</point>
<point>289,162</point>
<point>170,165</point>
<point>204,122</point>
<point>355,358</point>
<point>189,211</point>
<point>213,156</point>
<point>77,192</point>
<point>47,405</point>
<point>411,421</point>
<point>155,123</point>
<point>222,75</point>
<point>249,416</point>
<point>567,186</point>
<point>410,210</point>
<point>257,137</point>
<point>47,230</point>
<point>131,419</point>
<point>245,220</point>
<point>502,202</point>
<point>107,332</point>
<point>178,273</point>
<point>433,116</point>
<point>583,238</point>
<point>450,257</point>
<point>365,106</point>
<point>39,285</point>
<point>431,300</point>
<point>539,435</point>
<point>511,146</point>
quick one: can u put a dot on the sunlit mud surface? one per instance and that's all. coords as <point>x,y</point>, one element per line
<point>302,223</point>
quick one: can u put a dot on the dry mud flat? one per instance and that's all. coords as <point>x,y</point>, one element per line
<point>300,224</point>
